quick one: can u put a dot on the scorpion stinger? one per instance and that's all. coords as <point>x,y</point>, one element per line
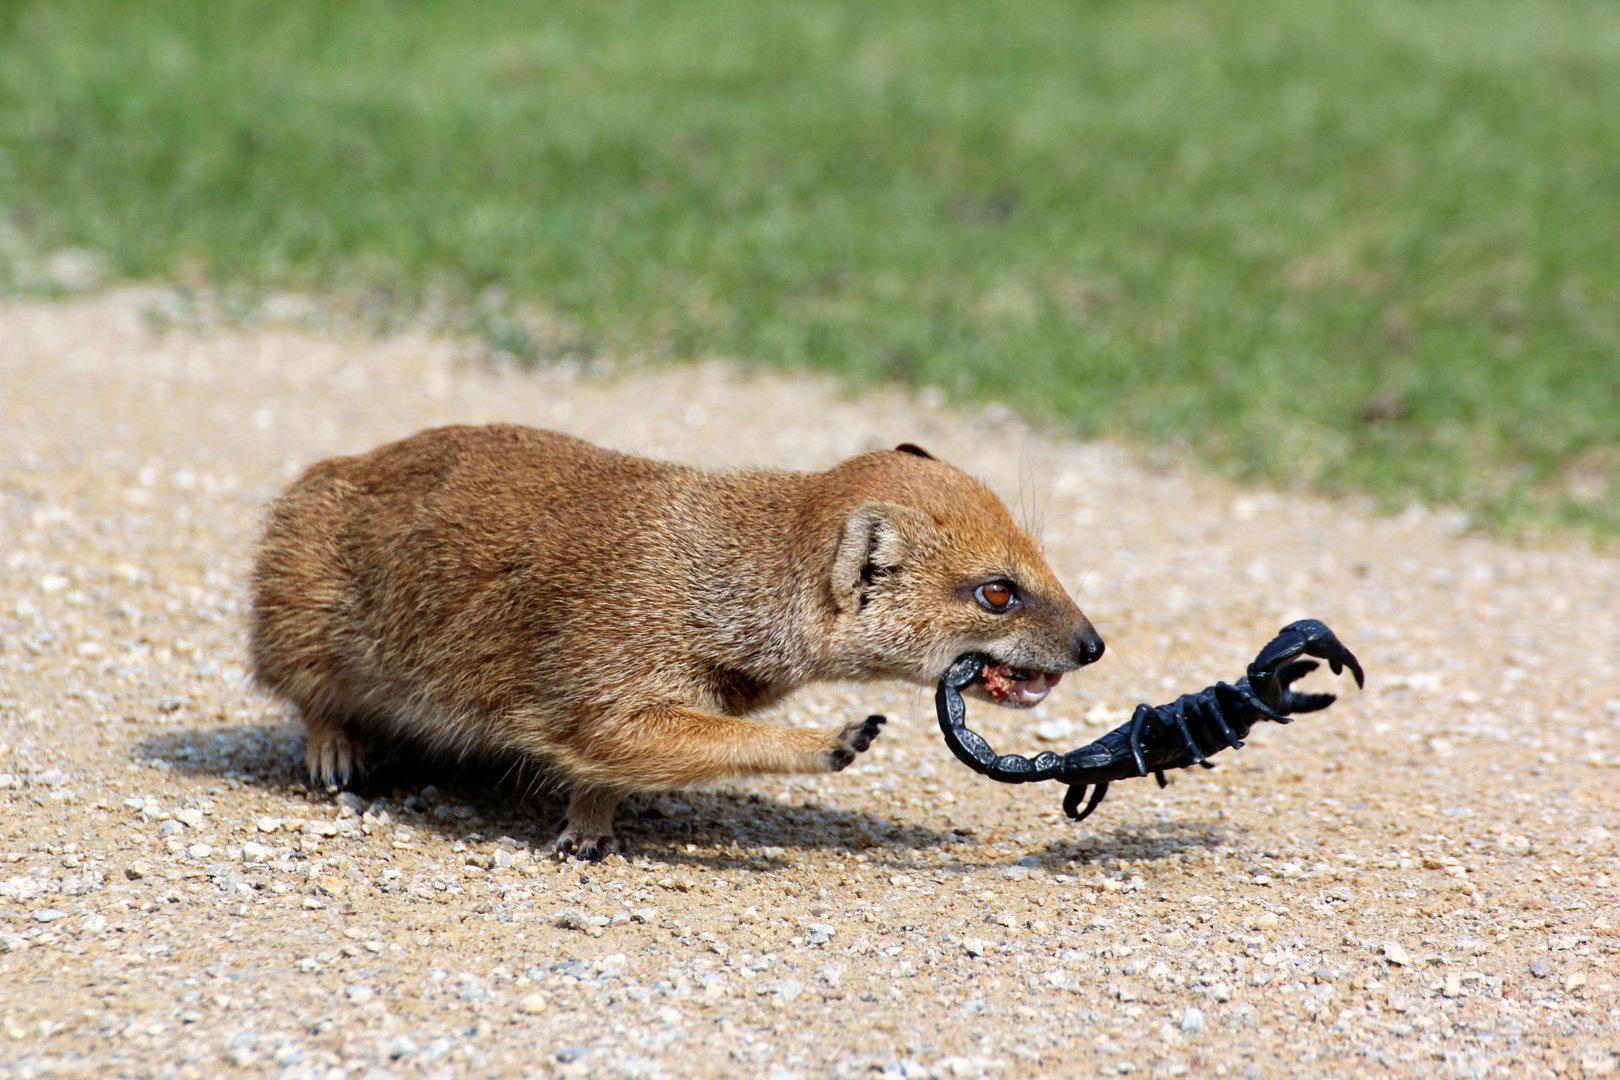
<point>1157,738</point>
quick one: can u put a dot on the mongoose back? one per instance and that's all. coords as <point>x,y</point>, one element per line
<point>504,589</point>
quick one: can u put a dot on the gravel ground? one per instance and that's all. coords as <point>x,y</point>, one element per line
<point>1420,881</point>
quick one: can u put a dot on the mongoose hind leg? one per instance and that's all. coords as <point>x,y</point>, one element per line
<point>667,748</point>
<point>332,755</point>
<point>588,832</point>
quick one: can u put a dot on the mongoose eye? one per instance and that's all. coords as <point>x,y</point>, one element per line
<point>996,596</point>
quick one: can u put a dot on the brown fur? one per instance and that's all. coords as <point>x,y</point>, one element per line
<point>501,589</point>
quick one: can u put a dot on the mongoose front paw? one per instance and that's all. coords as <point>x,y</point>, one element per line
<point>584,848</point>
<point>854,739</point>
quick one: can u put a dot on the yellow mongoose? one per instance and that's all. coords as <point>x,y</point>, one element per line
<point>505,589</point>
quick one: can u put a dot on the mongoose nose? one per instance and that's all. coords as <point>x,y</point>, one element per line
<point>1088,647</point>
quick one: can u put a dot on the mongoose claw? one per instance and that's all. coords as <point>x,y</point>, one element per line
<point>584,848</point>
<point>855,739</point>
<point>1183,733</point>
<point>333,757</point>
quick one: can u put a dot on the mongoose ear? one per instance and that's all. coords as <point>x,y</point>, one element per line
<point>876,539</point>
<point>915,451</point>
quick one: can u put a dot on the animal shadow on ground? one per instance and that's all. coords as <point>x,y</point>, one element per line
<point>508,796</point>
<point>1142,840</point>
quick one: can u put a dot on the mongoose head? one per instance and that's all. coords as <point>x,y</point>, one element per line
<point>930,565</point>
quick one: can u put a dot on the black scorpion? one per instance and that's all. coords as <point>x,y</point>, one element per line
<point>1175,736</point>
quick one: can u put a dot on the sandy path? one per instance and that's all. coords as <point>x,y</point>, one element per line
<point>1421,881</point>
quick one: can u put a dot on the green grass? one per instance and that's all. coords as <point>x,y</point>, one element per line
<point>1370,245</point>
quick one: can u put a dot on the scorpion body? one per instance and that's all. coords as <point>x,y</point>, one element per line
<point>1185,732</point>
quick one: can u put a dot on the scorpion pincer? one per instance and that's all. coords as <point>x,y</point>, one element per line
<point>1183,733</point>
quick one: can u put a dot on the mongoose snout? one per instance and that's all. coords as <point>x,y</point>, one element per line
<point>503,589</point>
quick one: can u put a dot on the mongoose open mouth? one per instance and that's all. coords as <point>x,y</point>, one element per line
<point>1007,685</point>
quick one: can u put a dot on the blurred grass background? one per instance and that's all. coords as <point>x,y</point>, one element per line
<point>1361,245</point>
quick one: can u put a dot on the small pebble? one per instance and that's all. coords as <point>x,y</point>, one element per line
<point>976,946</point>
<point>531,1004</point>
<point>1192,1021</point>
<point>1395,954</point>
<point>399,1047</point>
<point>574,920</point>
<point>49,914</point>
<point>1540,968</point>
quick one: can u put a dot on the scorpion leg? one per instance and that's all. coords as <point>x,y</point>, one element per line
<point>1071,801</point>
<point>1217,716</point>
<point>1246,696</point>
<point>1138,724</point>
<point>1176,714</point>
